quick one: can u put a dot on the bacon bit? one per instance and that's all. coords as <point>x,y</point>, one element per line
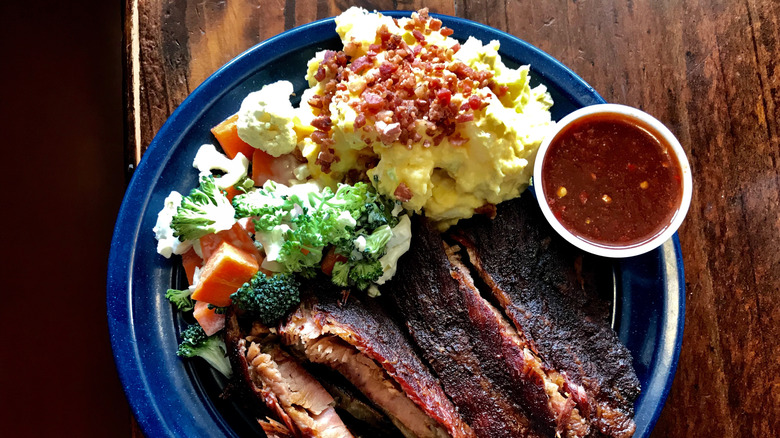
<point>456,48</point>
<point>418,35</point>
<point>341,59</point>
<point>383,33</point>
<point>475,102</point>
<point>360,121</point>
<point>320,75</point>
<point>434,24</point>
<point>325,158</point>
<point>502,90</point>
<point>361,64</point>
<point>444,95</point>
<point>319,137</point>
<point>374,102</point>
<point>446,31</point>
<point>465,117</point>
<point>374,48</point>
<point>488,210</point>
<point>323,123</point>
<point>388,133</point>
<point>329,54</point>
<point>315,101</point>
<point>386,68</point>
<point>462,70</point>
<point>402,193</point>
<point>409,25</point>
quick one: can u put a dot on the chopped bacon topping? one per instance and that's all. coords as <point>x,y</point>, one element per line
<point>360,121</point>
<point>402,192</point>
<point>361,64</point>
<point>322,123</point>
<point>403,90</point>
<point>374,102</point>
<point>320,75</point>
<point>325,158</point>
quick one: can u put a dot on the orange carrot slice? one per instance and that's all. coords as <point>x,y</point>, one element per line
<point>191,260</point>
<point>262,169</point>
<point>227,136</point>
<point>208,318</point>
<point>225,271</point>
<point>236,236</point>
<point>329,261</point>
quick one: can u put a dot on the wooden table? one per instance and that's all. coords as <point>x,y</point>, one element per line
<point>706,68</point>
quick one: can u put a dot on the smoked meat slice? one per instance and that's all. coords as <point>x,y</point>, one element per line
<point>537,279</point>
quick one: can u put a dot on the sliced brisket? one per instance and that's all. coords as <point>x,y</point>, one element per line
<point>357,338</point>
<point>499,386</point>
<point>537,278</point>
<point>293,395</point>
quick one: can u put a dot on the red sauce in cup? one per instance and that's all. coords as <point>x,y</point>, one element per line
<point>611,181</point>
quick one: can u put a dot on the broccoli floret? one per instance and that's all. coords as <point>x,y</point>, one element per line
<point>340,276</point>
<point>376,241</point>
<point>204,211</point>
<point>268,298</point>
<point>362,273</point>
<point>194,342</point>
<point>181,299</point>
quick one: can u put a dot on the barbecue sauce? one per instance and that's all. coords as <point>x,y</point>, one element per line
<point>612,181</point>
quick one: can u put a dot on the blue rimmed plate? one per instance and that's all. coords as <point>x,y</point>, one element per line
<point>171,397</point>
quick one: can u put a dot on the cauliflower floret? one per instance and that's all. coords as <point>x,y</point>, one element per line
<point>208,159</point>
<point>266,119</point>
<point>167,244</point>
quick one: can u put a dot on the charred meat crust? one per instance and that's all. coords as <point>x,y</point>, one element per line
<point>533,274</point>
<point>464,342</point>
<point>543,390</point>
<point>365,325</point>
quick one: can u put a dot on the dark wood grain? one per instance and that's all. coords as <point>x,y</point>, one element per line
<point>706,68</point>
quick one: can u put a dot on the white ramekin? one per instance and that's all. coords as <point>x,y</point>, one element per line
<point>657,128</point>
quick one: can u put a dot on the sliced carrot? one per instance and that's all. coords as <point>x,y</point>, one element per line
<point>191,260</point>
<point>225,271</point>
<point>262,169</point>
<point>231,191</point>
<point>227,136</point>
<point>236,236</point>
<point>329,261</point>
<point>208,318</point>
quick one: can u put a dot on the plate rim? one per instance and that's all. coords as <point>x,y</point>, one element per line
<point>119,291</point>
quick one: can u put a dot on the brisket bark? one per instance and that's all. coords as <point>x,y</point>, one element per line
<point>359,339</point>
<point>499,386</point>
<point>537,278</point>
